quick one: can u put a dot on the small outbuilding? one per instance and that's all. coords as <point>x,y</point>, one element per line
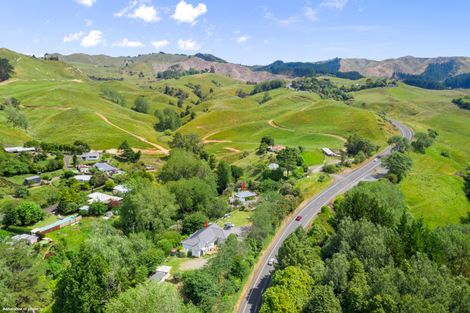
<point>161,274</point>
<point>273,166</point>
<point>19,149</point>
<point>330,153</point>
<point>83,178</point>
<point>30,239</point>
<point>244,197</point>
<point>32,181</point>
<point>90,156</point>
<point>102,197</point>
<point>120,190</point>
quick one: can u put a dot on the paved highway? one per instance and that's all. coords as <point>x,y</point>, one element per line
<point>252,301</point>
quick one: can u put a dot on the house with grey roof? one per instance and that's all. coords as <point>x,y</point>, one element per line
<point>243,197</point>
<point>32,181</point>
<point>204,240</point>
<point>108,169</point>
<point>161,274</point>
<point>90,156</point>
<point>30,239</point>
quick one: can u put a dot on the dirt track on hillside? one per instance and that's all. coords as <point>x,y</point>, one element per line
<point>160,148</point>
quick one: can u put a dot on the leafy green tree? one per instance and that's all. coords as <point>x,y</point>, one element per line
<point>201,288</point>
<point>189,142</point>
<point>167,119</point>
<point>141,105</point>
<point>380,202</point>
<point>147,207</point>
<point>358,289</point>
<point>6,69</point>
<point>323,300</point>
<point>184,164</point>
<point>26,213</point>
<point>355,144</point>
<point>98,208</point>
<point>127,154</point>
<point>400,143</point>
<point>193,222</point>
<point>193,194</point>
<point>148,297</point>
<point>466,186</point>
<point>224,176</point>
<point>237,172</point>
<point>421,142</point>
<point>268,140</point>
<point>278,300</point>
<point>289,158</point>
<point>398,164</point>
<point>16,118</point>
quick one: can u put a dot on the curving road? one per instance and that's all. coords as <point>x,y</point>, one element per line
<point>252,300</point>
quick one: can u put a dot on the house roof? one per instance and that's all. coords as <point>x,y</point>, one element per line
<point>82,177</point>
<point>102,197</point>
<point>19,149</point>
<point>121,188</point>
<point>204,236</point>
<point>90,154</point>
<point>245,194</point>
<point>33,178</point>
<point>29,238</point>
<point>273,166</point>
<point>105,167</point>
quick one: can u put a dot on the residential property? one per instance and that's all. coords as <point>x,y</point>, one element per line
<point>276,148</point>
<point>102,197</point>
<point>30,239</point>
<point>83,178</point>
<point>330,153</point>
<point>108,169</point>
<point>84,169</point>
<point>273,166</point>
<point>19,149</point>
<point>161,274</point>
<point>90,156</point>
<point>120,190</point>
<point>32,181</point>
<point>244,196</point>
<point>204,240</point>
<point>57,225</point>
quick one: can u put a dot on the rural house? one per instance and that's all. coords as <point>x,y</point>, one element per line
<point>83,178</point>
<point>330,153</point>
<point>277,148</point>
<point>90,156</point>
<point>108,169</point>
<point>244,197</point>
<point>32,181</point>
<point>102,197</point>
<point>120,190</point>
<point>204,240</point>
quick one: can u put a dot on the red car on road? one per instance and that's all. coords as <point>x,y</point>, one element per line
<point>298,218</point>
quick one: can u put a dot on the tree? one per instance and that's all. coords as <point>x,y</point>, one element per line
<point>147,207</point>
<point>224,176</point>
<point>184,164</point>
<point>127,154</point>
<point>268,140</point>
<point>400,143</point>
<point>148,297</point>
<point>98,208</point>
<point>466,186</point>
<point>16,118</point>
<point>421,142</point>
<point>26,213</point>
<point>189,142</point>
<point>289,158</point>
<point>193,222</point>
<point>6,69</point>
<point>323,300</point>
<point>398,164</point>
<point>193,194</point>
<point>141,105</point>
<point>355,144</point>
<point>201,288</point>
<point>167,119</point>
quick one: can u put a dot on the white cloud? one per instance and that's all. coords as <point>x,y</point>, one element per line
<point>159,44</point>
<point>147,13</point>
<point>73,36</point>
<point>186,13</point>
<point>87,3</point>
<point>280,21</point>
<point>93,38</point>
<point>310,13</point>
<point>336,4</point>
<point>88,22</point>
<point>188,45</point>
<point>243,38</point>
<point>126,43</point>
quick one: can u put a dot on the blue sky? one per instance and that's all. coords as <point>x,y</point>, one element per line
<point>241,31</point>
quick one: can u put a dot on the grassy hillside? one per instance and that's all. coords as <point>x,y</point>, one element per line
<point>434,188</point>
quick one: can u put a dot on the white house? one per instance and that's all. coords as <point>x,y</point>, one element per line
<point>204,240</point>
<point>102,197</point>
<point>244,197</point>
<point>328,152</point>
<point>19,149</point>
<point>120,189</point>
<point>90,156</point>
<point>108,169</point>
<point>83,178</point>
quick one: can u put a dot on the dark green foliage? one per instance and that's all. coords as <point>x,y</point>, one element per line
<point>176,71</point>
<point>356,144</point>
<point>224,176</point>
<point>400,143</point>
<point>398,164</point>
<point>97,208</point>
<point>26,213</point>
<point>193,222</point>
<point>268,85</point>
<point>184,164</point>
<point>167,119</point>
<point>147,207</point>
<point>266,98</point>
<point>193,194</point>
<point>209,57</point>
<point>422,141</point>
<point>16,118</point>
<point>127,154</point>
<point>330,168</point>
<point>201,288</point>
<point>6,69</point>
<point>189,142</point>
<point>237,172</point>
<point>323,300</point>
<point>466,186</point>
<point>22,280</point>
<point>462,102</point>
<point>141,105</point>
<point>458,81</point>
<point>380,202</point>
<point>371,83</point>
<point>289,158</point>
<point>323,87</point>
